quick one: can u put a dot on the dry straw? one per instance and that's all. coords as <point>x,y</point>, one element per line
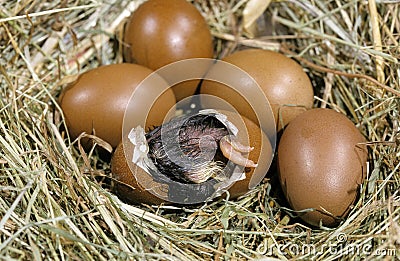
<point>55,201</point>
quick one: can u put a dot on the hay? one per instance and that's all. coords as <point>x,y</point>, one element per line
<point>54,199</point>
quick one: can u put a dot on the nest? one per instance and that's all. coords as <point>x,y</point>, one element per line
<point>55,202</point>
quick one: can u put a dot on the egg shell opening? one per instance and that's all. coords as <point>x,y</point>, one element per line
<point>131,190</point>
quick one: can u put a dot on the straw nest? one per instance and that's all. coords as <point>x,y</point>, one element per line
<point>55,202</point>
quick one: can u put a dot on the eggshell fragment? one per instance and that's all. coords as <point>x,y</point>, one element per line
<point>96,102</point>
<point>322,162</point>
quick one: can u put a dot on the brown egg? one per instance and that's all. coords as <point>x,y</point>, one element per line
<point>96,101</point>
<point>160,32</point>
<point>283,81</point>
<point>322,162</point>
<point>125,183</point>
<point>262,154</point>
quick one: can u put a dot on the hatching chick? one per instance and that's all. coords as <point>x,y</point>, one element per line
<point>194,148</point>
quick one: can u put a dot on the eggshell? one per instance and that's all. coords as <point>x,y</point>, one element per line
<point>125,184</point>
<point>251,135</point>
<point>160,32</point>
<point>322,162</point>
<point>283,81</point>
<point>96,101</point>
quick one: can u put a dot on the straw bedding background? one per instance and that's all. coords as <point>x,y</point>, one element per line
<point>55,201</point>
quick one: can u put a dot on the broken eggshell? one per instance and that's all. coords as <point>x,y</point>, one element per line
<point>144,178</point>
<point>137,183</point>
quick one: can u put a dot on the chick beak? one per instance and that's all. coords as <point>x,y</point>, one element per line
<point>232,150</point>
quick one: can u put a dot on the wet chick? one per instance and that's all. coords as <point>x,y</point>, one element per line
<point>194,148</point>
